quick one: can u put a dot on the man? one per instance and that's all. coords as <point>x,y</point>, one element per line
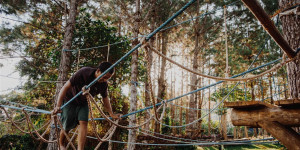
<point>77,111</point>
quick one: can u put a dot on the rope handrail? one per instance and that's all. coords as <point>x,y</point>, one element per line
<point>248,142</point>
<point>202,88</point>
<point>172,136</point>
<point>32,110</point>
<point>224,98</point>
<point>276,67</point>
<point>163,138</point>
<point>133,49</point>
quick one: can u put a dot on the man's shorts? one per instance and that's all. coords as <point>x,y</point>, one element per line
<point>72,114</point>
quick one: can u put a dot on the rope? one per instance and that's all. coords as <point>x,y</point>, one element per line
<point>91,99</point>
<point>195,121</point>
<point>146,45</point>
<point>133,49</point>
<point>276,67</point>
<point>200,89</point>
<point>163,138</point>
<point>13,123</point>
<point>72,138</point>
<point>31,127</point>
<point>133,38</point>
<point>54,117</point>
<point>200,144</point>
<point>32,110</point>
<point>171,136</point>
<point>110,131</point>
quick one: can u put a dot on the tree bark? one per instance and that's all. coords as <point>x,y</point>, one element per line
<point>132,135</point>
<point>271,89</point>
<point>151,43</point>
<point>161,81</point>
<point>291,28</point>
<point>181,103</point>
<point>65,59</point>
<point>193,97</point>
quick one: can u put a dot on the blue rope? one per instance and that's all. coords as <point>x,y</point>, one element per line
<point>274,95</point>
<point>172,136</point>
<point>135,48</point>
<point>146,35</point>
<point>17,104</point>
<point>27,109</point>
<point>249,142</point>
<point>211,85</point>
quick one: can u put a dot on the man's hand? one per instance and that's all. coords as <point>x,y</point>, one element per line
<point>116,116</point>
<point>56,110</point>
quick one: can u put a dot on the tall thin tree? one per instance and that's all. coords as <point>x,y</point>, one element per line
<point>64,66</point>
<point>134,74</point>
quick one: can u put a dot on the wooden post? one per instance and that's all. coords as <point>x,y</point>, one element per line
<point>246,132</point>
<point>242,117</point>
<point>275,120</point>
<point>286,135</point>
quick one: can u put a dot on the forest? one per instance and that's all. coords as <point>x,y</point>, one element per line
<point>176,65</point>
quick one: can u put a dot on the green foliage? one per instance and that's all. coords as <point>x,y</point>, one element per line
<point>237,95</point>
<point>214,127</point>
<point>18,142</point>
<point>167,121</point>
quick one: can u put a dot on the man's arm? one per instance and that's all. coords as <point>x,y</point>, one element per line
<point>107,106</point>
<point>61,95</point>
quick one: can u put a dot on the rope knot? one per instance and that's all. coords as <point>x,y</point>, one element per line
<point>136,84</point>
<point>144,42</point>
<point>85,91</point>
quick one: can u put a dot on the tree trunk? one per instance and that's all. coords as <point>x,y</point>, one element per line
<point>181,103</point>
<point>271,90</point>
<point>65,62</point>
<point>161,81</point>
<point>209,114</point>
<point>246,132</point>
<point>172,106</point>
<point>252,91</point>
<point>134,73</point>
<point>284,86</point>
<point>224,124</point>
<point>151,43</point>
<point>291,28</point>
<point>193,97</point>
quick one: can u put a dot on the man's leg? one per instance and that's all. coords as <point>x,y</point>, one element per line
<point>82,134</point>
<point>62,139</point>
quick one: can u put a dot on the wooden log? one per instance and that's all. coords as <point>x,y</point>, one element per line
<point>246,117</point>
<point>286,135</point>
<point>269,26</point>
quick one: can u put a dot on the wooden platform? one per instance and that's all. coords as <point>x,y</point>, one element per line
<point>277,119</point>
<point>288,103</point>
<point>247,105</point>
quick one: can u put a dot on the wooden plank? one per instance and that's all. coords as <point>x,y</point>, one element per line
<point>247,105</point>
<point>288,103</point>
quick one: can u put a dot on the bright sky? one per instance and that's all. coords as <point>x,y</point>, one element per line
<point>9,77</point>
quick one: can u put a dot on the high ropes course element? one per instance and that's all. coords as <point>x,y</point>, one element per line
<point>141,110</point>
<point>110,132</point>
